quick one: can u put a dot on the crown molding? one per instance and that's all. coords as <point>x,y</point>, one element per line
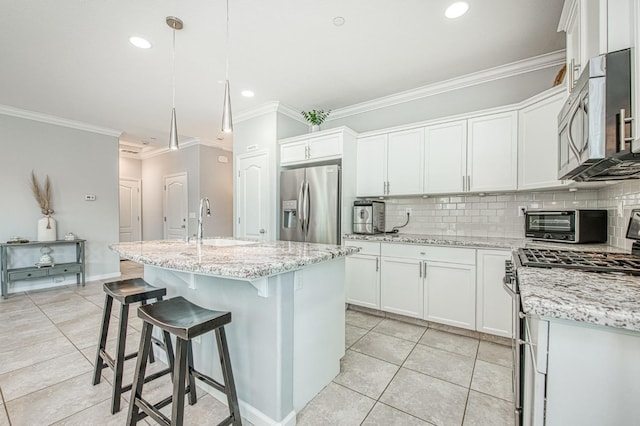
<point>58,121</point>
<point>267,108</point>
<point>216,144</point>
<point>504,71</point>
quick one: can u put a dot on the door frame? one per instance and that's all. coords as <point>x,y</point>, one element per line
<point>139,204</point>
<point>164,201</point>
<point>236,199</point>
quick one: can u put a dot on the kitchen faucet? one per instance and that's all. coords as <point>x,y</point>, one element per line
<point>203,202</point>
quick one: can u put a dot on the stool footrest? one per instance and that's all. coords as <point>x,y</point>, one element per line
<point>208,380</point>
<point>153,411</point>
<point>111,363</point>
<point>147,379</point>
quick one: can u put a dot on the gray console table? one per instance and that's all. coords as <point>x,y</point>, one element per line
<point>30,272</point>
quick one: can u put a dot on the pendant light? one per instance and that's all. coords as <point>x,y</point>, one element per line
<point>176,24</point>
<point>227,122</point>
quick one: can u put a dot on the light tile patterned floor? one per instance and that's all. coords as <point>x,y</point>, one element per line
<point>393,373</point>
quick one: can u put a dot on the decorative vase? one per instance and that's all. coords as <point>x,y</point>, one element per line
<point>315,128</point>
<point>47,229</point>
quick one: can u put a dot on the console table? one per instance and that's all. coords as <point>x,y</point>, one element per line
<point>30,272</point>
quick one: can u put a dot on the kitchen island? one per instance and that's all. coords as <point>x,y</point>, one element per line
<point>286,337</point>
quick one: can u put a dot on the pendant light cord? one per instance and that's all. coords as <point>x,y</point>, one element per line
<point>173,78</point>
<point>227,44</point>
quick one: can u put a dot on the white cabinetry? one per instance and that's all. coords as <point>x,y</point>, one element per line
<point>492,155</point>
<point>390,164</point>
<point>401,286</point>
<point>494,308</point>
<point>310,149</point>
<point>445,157</point>
<point>450,293</point>
<point>362,275</point>
<point>538,141</point>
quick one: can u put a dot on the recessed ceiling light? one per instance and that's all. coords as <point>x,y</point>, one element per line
<point>457,9</point>
<point>338,21</point>
<point>247,93</point>
<point>140,42</point>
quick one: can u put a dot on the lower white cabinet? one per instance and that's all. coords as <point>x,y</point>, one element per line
<point>450,294</point>
<point>494,306</point>
<point>401,286</point>
<point>363,280</point>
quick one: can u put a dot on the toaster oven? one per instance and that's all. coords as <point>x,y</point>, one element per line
<point>567,226</point>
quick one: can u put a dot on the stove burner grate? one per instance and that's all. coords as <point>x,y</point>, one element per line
<point>582,260</point>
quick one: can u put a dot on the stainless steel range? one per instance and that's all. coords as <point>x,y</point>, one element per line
<point>583,260</point>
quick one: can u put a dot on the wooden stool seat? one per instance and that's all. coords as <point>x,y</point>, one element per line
<point>133,291</point>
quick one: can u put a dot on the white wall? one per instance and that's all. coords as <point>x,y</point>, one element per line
<point>78,163</point>
<point>130,168</point>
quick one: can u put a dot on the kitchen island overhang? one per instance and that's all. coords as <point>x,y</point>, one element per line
<point>287,301</point>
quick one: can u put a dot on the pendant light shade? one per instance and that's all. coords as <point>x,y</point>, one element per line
<point>175,24</point>
<point>227,121</point>
<point>173,133</point>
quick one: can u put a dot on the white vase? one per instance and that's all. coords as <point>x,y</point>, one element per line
<point>315,128</point>
<point>47,229</point>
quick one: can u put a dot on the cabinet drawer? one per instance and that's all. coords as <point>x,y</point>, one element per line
<point>366,247</point>
<point>25,275</point>
<point>434,253</point>
<point>65,269</point>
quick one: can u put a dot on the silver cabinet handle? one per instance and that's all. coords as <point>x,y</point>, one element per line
<point>388,188</point>
<point>463,184</point>
<point>468,182</point>
<point>262,231</point>
<point>622,130</point>
<point>425,270</point>
<point>420,269</point>
<point>377,263</point>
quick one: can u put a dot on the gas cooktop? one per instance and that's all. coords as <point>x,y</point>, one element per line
<point>583,260</point>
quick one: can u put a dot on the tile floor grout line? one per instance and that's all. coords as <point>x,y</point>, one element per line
<point>473,370</point>
<point>4,406</point>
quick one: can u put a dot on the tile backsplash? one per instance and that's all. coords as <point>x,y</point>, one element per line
<point>499,215</point>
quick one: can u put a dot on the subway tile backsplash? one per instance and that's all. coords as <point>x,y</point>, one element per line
<point>498,215</point>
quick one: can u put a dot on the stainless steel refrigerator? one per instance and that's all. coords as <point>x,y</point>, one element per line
<point>310,204</point>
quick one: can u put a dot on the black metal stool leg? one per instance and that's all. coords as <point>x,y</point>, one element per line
<point>116,389</point>
<point>227,374</point>
<point>193,397</point>
<point>179,376</point>
<point>138,378</point>
<point>152,358</point>
<point>102,344</point>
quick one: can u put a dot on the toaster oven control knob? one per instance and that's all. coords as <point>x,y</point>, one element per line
<point>547,236</point>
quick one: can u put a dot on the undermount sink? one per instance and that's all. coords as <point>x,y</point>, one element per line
<point>222,242</point>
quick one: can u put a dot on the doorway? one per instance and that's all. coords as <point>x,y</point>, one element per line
<point>175,206</point>
<point>253,196</point>
<point>130,210</point>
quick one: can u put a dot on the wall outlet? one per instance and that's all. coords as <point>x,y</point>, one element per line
<point>407,210</point>
<point>522,210</point>
<point>89,197</point>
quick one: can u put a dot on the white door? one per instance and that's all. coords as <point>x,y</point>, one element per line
<point>371,167</point>
<point>130,227</point>
<point>445,157</point>
<point>492,152</point>
<point>401,286</point>
<point>253,197</point>
<point>363,280</point>
<point>494,306</point>
<point>450,294</point>
<point>176,204</point>
<point>404,162</point>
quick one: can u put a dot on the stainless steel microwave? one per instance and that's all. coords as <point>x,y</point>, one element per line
<point>567,226</point>
<point>594,125</point>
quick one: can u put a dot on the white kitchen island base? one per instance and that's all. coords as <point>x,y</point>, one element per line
<point>286,337</point>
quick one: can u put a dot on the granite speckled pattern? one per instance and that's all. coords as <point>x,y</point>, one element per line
<point>608,299</point>
<point>247,261</point>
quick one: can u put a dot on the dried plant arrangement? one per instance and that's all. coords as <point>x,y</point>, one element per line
<point>42,195</point>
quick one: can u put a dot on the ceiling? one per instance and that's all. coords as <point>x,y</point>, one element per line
<point>72,58</point>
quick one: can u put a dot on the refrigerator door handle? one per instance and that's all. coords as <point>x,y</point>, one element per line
<point>301,217</point>
<point>307,206</point>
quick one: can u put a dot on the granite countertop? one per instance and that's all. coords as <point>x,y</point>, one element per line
<point>608,299</point>
<point>477,242</point>
<point>230,258</point>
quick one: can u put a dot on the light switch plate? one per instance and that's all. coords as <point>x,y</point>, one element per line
<point>89,197</point>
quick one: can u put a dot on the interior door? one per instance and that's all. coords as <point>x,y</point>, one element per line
<point>176,202</point>
<point>130,227</point>
<point>253,203</point>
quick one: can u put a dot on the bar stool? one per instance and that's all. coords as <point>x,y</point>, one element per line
<point>126,292</point>
<point>185,320</point>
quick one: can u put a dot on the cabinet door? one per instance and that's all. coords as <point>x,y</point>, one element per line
<point>636,85</point>
<point>538,144</point>
<point>404,162</point>
<point>574,57</point>
<point>401,286</point>
<point>445,157</point>
<point>293,152</point>
<point>492,152</point>
<point>325,147</point>
<point>450,294</point>
<point>363,281</point>
<point>371,166</point>
<point>494,305</point>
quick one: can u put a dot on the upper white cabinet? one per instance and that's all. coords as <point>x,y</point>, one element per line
<point>492,153</point>
<point>310,149</point>
<point>538,142</point>
<point>445,157</point>
<point>390,164</point>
